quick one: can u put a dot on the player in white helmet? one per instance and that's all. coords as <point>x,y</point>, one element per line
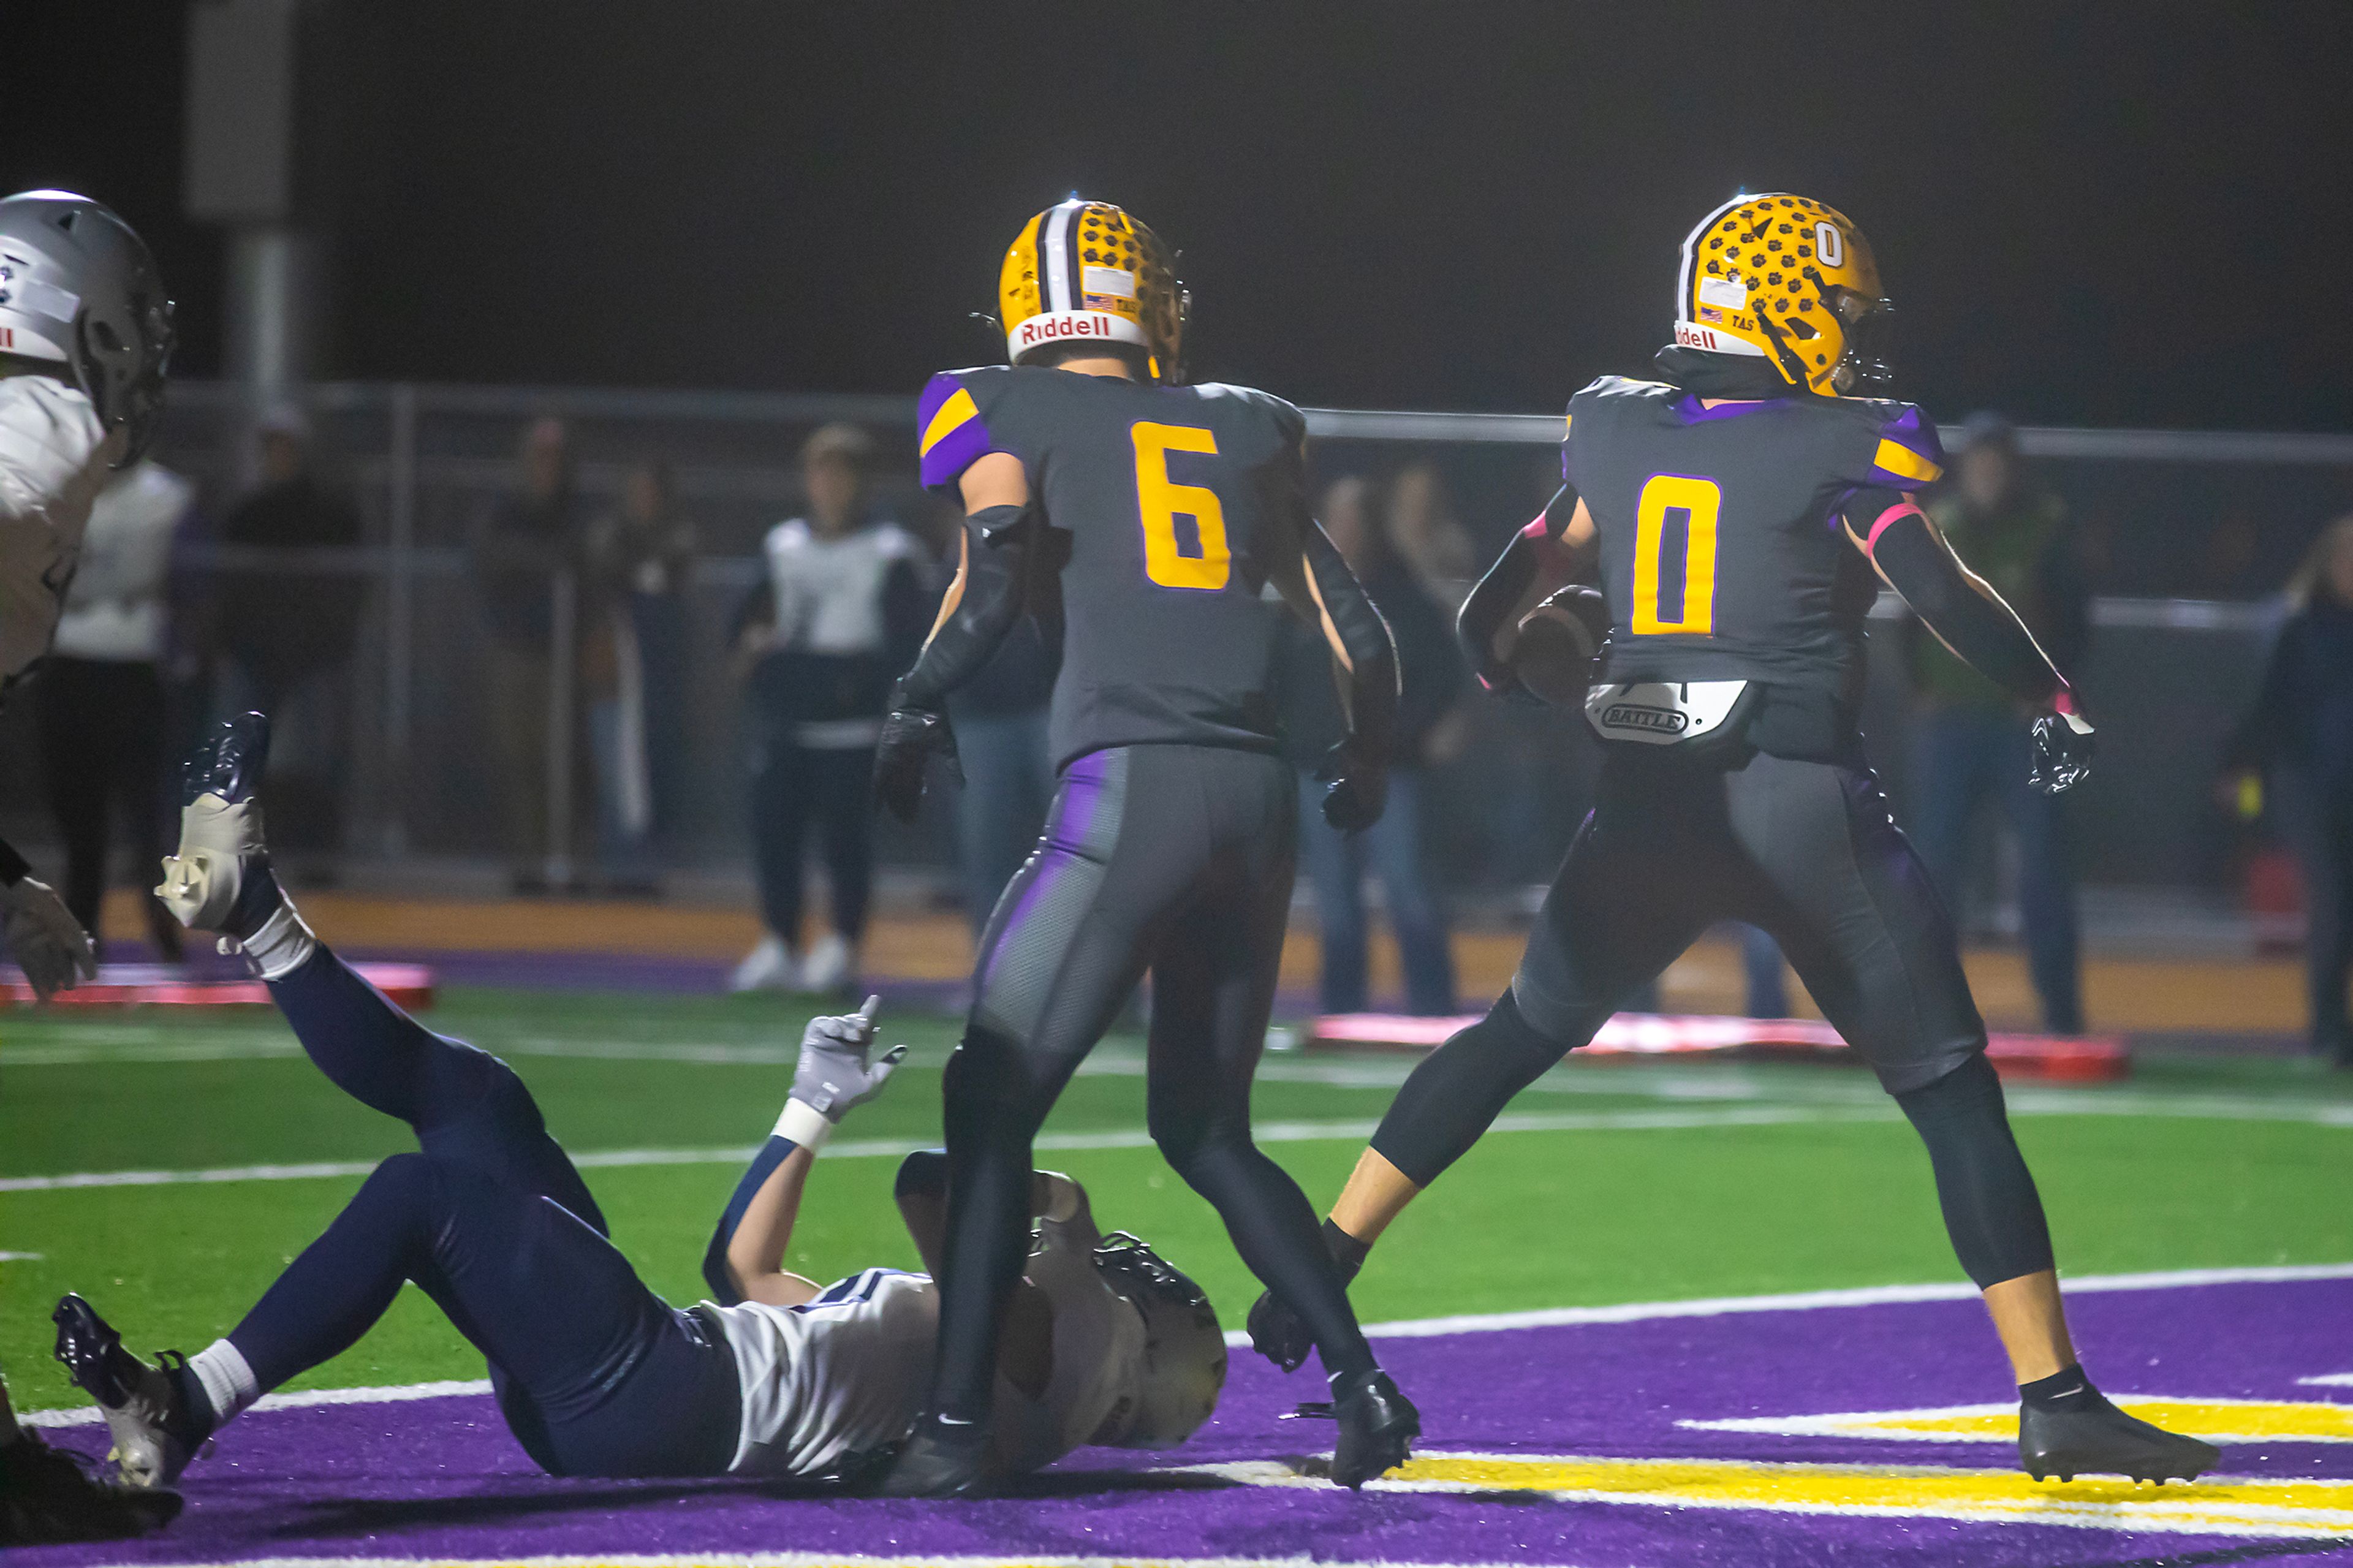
<point>595,1374</point>
<point>85,338</point>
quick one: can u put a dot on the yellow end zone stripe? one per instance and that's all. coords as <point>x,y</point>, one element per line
<point>2237,1507</point>
<point>2216,1420</point>
<point>1898,458</point>
<point>953,415</point>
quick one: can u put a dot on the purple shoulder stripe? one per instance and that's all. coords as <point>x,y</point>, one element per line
<point>951,435</point>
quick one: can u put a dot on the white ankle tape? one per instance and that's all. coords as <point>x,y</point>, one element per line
<point>804,1124</point>
<point>281,945</point>
<point>228,1380</point>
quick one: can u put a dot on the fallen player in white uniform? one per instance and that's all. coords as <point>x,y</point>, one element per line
<point>597,1375</point>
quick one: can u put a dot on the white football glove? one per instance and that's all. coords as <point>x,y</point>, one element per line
<point>838,1072</point>
<point>44,939</point>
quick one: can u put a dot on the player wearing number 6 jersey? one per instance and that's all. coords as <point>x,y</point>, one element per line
<point>1739,515</point>
<point>1166,529</point>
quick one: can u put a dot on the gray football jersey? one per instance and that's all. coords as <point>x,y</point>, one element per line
<point>1722,556</point>
<point>1168,507</point>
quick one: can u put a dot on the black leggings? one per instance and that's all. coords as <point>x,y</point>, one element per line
<point>597,1374</point>
<point>1808,852</point>
<point>1175,860</point>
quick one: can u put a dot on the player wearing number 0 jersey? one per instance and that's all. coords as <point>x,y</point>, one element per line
<point>1738,516</point>
<point>1165,529</point>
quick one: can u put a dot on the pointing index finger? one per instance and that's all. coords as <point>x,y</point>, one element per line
<point>872,1004</point>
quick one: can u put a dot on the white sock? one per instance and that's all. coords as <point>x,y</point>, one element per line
<point>228,1381</point>
<point>282,944</point>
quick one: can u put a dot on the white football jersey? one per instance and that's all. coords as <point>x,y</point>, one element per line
<point>54,458</point>
<point>847,1371</point>
<point>828,592</point>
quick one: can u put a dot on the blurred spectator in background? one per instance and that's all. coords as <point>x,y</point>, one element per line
<point>844,612</point>
<point>633,671</point>
<point>1425,532</point>
<point>1971,744</point>
<point>100,694</point>
<point>287,629</point>
<point>1008,770</point>
<point>1427,723</point>
<point>2300,735</point>
<point>529,545</point>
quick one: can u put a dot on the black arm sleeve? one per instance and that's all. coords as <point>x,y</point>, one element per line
<point>12,866</point>
<point>1919,565</point>
<point>1364,636</point>
<point>997,551</point>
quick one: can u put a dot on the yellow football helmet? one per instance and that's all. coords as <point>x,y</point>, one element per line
<point>1792,281</point>
<point>1086,270</point>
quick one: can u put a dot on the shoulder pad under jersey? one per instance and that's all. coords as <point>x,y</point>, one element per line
<point>1898,447</point>
<point>951,424</point>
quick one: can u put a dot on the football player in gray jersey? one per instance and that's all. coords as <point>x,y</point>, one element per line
<point>776,1376</point>
<point>85,338</point>
<point>1738,516</point>
<point>1165,529</point>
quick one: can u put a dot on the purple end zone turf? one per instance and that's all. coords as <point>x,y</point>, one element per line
<point>441,1479</point>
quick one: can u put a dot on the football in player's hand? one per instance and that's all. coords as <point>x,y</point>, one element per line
<point>1553,657</point>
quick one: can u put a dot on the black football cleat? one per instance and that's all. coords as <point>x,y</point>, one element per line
<point>49,1495</point>
<point>2102,1439</point>
<point>1377,1426</point>
<point>155,1435</point>
<point>939,1461</point>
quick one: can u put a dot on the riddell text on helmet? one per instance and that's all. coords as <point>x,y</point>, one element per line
<point>1041,329</point>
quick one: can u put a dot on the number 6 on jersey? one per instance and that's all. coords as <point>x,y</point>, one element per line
<point>1160,502</point>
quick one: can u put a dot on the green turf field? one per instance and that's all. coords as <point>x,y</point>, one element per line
<point>1620,1182</point>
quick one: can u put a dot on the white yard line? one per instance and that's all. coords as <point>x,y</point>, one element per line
<point>1716,1083</point>
<point>893,1148</point>
<point>1476,1323</point>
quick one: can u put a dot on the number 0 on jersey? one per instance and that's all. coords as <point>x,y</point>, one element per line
<point>1693,504</point>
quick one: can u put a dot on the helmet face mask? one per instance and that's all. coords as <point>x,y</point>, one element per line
<point>79,288</point>
<point>1086,272</point>
<point>1184,1346</point>
<point>1792,281</point>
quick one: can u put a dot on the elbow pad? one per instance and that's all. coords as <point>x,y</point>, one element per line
<point>996,577</point>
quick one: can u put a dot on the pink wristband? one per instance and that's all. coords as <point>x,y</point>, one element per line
<point>1539,531</point>
<point>1879,524</point>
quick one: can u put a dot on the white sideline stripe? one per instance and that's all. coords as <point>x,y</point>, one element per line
<point>19,1258</point>
<point>883,1148</point>
<point>1815,1300</point>
<point>1718,1084</point>
<point>88,1415</point>
<point>2329,1380</point>
<point>1425,1328</point>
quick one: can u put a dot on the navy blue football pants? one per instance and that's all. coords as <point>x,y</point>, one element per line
<point>1174,860</point>
<point>597,1374</point>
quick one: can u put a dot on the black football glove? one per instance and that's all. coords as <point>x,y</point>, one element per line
<point>1359,788</point>
<point>2063,746</point>
<point>909,737</point>
<point>1276,1331</point>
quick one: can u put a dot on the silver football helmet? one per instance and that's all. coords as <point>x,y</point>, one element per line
<point>78,286</point>
<point>1183,1349</point>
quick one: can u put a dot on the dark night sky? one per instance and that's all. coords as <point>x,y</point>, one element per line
<point>2112,215</point>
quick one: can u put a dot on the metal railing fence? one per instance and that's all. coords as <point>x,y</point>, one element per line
<point>2187,532</point>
